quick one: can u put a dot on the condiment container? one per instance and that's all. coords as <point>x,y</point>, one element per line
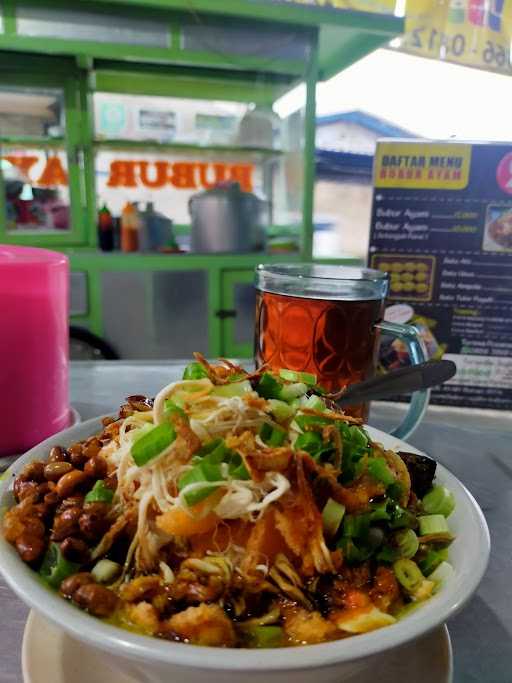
<point>130,226</point>
<point>34,346</point>
<point>105,229</point>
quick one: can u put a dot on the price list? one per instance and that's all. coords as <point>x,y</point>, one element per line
<point>441,226</point>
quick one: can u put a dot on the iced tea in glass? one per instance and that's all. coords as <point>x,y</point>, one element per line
<point>326,320</point>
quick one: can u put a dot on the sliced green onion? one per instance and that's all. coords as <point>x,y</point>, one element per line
<point>105,570</point>
<point>194,371</point>
<point>293,376</point>
<point>312,443</point>
<point>312,402</point>
<point>380,512</point>
<point>318,389</point>
<point>433,524</point>
<point>215,452</point>
<point>379,470</point>
<point>203,472</point>
<point>100,493</point>
<point>291,391</point>
<point>353,553</point>
<point>153,443</point>
<point>210,447</point>
<point>388,554</point>
<point>237,468</point>
<point>236,377</point>
<point>233,389</point>
<point>268,386</point>
<point>407,543</point>
<point>170,408</point>
<point>395,490</point>
<point>354,435</point>
<point>306,422</point>
<point>140,431</point>
<point>309,442</point>
<point>264,636</point>
<point>408,574</point>
<point>439,501</point>
<point>441,575</point>
<point>355,447</point>
<point>432,560</point>
<point>401,518</point>
<point>332,516</point>
<point>55,568</point>
<point>280,410</point>
<point>272,436</point>
<point>181,395</point>
<point>356,526</point>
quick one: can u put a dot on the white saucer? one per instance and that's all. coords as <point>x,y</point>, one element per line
<point>50,656</point>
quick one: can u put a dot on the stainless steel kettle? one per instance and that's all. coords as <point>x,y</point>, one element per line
<point>226,219</point>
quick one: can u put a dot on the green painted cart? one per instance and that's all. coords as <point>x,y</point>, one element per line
<point>246,54</point>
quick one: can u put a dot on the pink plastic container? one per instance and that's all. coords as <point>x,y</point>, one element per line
<point>34,346</point>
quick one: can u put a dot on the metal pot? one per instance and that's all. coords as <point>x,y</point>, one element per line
<point>226,219</point>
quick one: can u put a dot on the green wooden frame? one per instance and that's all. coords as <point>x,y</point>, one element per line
<point>231,278</point>
<point>173,53</point>
<point>94,263</point>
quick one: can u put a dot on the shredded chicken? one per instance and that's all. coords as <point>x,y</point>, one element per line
<point>122,524</point>
<point>304,627</point>
<point>203,625</point>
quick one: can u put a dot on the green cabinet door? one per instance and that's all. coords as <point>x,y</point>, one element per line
<point>42,194</point>
<point>237,313</point>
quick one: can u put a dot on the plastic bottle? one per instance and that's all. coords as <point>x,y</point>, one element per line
<point>146,218</point>
<point>130,224</point>
<point>105,229</point>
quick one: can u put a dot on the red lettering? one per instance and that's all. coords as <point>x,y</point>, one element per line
<point>53,173</point>
<point>219,171</point>
<point>160,175</point>
<point>122,174</point>
<point>183,175</point>
<point>242,173</point>
<point>23,163</point>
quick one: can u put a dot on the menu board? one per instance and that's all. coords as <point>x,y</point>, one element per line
<point>441,226</point>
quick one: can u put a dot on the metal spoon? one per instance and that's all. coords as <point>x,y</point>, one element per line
<point>401,381</point>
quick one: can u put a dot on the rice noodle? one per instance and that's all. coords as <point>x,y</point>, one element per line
<point>154,485</point>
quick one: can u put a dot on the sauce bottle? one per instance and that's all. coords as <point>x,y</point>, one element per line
<point>130,224</point>
<point>105,229</point>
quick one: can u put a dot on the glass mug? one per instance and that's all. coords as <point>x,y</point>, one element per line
<point>327,320</point>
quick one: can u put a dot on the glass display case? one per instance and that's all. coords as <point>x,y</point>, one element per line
<point>164,150</point>
<point>41,169</point>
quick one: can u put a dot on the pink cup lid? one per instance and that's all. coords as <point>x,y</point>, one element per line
<point>12,255</point>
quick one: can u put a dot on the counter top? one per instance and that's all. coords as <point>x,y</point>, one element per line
<point>473,444</point>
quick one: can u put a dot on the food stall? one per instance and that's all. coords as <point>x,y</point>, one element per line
<point>151,104</point>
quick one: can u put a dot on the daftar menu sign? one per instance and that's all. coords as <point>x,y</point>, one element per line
<point>442,227</point>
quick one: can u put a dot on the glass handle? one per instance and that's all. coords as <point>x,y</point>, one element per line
<point>418,354</point>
